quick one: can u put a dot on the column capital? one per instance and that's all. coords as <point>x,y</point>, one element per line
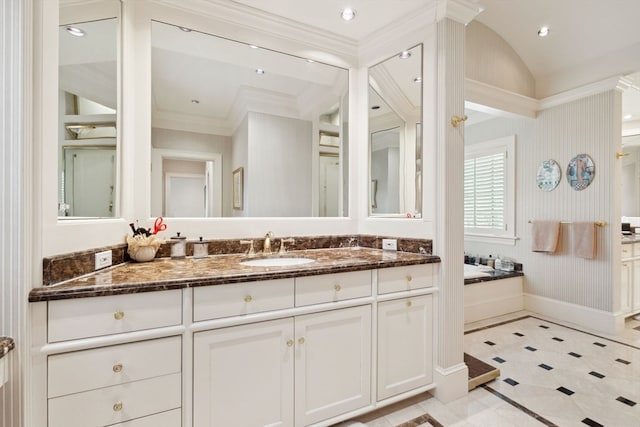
<point>463,11</point>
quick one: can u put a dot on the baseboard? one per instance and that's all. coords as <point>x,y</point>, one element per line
<point>451,383</point>
<point>603,321</point>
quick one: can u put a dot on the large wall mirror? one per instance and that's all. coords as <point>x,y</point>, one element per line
<point>395,137</point>
<point>87,111</point>
<point>243,131</point>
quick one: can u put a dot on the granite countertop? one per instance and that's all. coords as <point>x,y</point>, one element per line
<point>6,345</point>
<point>166,273</point>
<point>494,275</point>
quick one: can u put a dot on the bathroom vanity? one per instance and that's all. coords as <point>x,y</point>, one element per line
<point>213,342</point>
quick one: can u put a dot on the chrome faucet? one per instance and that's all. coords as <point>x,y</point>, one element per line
<point>266,248</point>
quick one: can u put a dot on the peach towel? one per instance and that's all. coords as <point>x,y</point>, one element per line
<point>545,236</point>
<point>584,239</point>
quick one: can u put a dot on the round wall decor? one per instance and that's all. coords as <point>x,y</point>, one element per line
<point>580,172</point>
<point>549,174</point>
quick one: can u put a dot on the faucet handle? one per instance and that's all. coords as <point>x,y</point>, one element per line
<point>251,251</point>
<point>282,250</point>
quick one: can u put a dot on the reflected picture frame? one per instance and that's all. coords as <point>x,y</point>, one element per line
<point>238,188</point>
<point>374,193</point>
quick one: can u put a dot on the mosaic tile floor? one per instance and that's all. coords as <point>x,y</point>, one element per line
<point>550,375</point>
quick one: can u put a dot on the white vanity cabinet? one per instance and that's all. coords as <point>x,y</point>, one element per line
<point>252,374</point>
<point>136,383</point>
<point>630,279</point>
<point>405,345</point>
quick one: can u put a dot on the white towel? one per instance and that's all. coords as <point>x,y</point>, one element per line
<point>545,236</point>
<point>584,239</point>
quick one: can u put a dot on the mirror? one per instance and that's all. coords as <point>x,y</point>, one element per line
<point>395,136</point>
<point>87,137</point>
<point>630,177</point>
<point>244,131</point>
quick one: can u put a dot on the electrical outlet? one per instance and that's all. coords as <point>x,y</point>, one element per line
<point>390,244</point>
<point>103,259</point>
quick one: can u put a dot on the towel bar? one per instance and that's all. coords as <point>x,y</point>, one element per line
<point>600,223</point>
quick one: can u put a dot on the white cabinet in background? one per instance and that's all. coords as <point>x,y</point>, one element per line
<point>405,345</point>
<point>243,375</point>
<point>630,279</point>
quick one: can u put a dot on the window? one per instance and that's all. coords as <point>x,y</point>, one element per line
<point>489,182</point>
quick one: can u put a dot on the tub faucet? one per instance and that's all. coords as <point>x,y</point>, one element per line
<point>266,248</point>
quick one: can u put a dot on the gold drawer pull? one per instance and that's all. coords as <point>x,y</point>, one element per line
<point>289,343</point>
<point>117,407</point>
<point>248,298</point>
<point>624,264</point>
<point>409,278</point>
<point>117,368</point>
<point>408,303</point>
<point>338,288</point>
<point>118,315</point>
<point>301,340</point>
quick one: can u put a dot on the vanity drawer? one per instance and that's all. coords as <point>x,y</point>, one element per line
<point>636,249</point>
<point>235,299</point>
<point>92,317</point>
<point>627,251</point>
<point>116,404</point>
<point>332,287</point>
<point>405,278</point>
<point>107,366</point>
<point>171,418</point>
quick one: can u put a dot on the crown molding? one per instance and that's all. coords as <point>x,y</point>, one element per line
<point>463,11</point>
<point>500,99</point>
<point>190,123</point>
<point>614,83</point>
<point>263,24</point>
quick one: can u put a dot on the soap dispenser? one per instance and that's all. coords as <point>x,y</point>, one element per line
<point>178,246</point>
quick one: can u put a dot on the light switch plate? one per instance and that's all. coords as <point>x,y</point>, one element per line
<point>103,259</point>
<point>389,244</point>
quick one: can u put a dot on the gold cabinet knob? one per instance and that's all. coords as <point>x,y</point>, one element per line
<point>289,343</point>
<point>624,264</point>
<point>301,340</point>
<point>408,303</point>
<point>118,315</point>
<point>248,298</point>
<point>117,407</point>
<point>338,288</point>
<point>409,278</point>
<point>117,368</point>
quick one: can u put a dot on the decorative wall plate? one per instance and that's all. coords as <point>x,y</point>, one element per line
<point>549,174</point>
<point>580,172</point>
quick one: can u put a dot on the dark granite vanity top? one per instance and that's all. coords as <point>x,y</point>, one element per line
<point>6,345</point>
<point>166,273</point>
<point>494,275</point>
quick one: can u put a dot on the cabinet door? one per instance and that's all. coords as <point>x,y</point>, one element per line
<point>243,375</point>
<point>634,285</point>
<point>405,343</point>
<point>333,363</point>
<point>626,280</point>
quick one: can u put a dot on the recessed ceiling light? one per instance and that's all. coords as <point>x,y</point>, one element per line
<point>75,31</point>
<point>259,71</point>
<point>375,107</point>
<point>627,116</point>
<point>543,31</point>
<point>348,14</point>
<point>186,30</point>
<point>405,54</point>
<point>417,80</point>
<point>195,101</point>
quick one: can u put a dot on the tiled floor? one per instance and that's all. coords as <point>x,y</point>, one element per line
<point>551,374</point>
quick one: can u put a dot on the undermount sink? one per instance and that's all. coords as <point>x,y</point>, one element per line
<point>276,262</point>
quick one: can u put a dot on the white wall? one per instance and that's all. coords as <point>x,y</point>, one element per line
<point>590,126</point>
<point>240,159</point>
<point>279,185</point>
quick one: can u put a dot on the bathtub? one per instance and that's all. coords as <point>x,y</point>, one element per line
<point>491,298</point>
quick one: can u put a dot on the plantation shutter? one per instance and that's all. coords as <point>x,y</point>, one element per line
<point>485,190</point>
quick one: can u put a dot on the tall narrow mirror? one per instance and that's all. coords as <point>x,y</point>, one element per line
<point>395,137</point>
<point>243,131</point>
<point>87,134</point>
